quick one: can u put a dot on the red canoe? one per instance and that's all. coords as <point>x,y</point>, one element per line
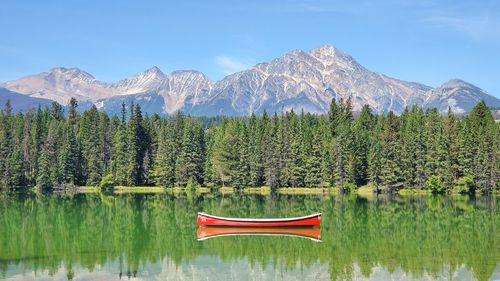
<point>209,220</point>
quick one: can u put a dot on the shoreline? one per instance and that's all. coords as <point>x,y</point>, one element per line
<point>363,191</point>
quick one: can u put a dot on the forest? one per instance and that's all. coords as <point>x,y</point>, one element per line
<point>56,147</point>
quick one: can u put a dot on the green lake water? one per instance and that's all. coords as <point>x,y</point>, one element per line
<point>154,237</point>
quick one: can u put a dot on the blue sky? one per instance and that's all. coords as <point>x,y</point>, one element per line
<point>427,41</point>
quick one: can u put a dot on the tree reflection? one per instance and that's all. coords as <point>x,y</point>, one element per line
<point>420,235</point>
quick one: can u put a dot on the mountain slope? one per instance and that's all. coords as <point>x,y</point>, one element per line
<point>20,102</point>
<point>459,95</point>
<point>298,80</point>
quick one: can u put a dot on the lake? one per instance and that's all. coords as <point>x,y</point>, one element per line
<point>154,237</point>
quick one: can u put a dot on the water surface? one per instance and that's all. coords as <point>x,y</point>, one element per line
<point>154,237</point>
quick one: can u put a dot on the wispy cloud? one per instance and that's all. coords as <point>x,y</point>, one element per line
<point>478,27</point>
<point>230,65</point>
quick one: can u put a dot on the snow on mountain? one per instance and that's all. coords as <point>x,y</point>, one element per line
<point>298,80</point>
<point>459,95</point>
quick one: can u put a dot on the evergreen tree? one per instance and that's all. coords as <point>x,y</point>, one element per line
<point>136,139</point>
<point>453,136</point>
<point>209,176</point>
<point>256,149</point>
<point>73,116</point>
<point>313,162</point>
<point>225,157</point>
<point>92,147</point>
<point>295,163</point>
<point>390,174</point>
<point>242,178</point>
<point>164,170</point>
<point>56,111</point>
<point>413,145</point>
<point>361,144</point>
<point>69,157</point>
<point>48,172</point>
<point>343,156</point>
<point>484,163</point>
<point>119,158</point>
<point>190,159</point>
<point>437,158</point>
<point>375,157</point>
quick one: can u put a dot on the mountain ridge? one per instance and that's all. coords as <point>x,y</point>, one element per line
<point>298,80</point>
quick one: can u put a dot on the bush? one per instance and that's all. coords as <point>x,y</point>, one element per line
<point>350,187</point>
<point>435,184</point>
<point>107,182</point>
<point>190,186</point>
<point>465,185</point>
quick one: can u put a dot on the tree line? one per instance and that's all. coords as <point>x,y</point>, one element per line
<point>421,149</point>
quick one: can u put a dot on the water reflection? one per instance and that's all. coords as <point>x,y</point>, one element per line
<point>92,237</point>
<point>311,233</point>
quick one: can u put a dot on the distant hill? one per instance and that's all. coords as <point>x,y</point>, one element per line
<point>20,102</point>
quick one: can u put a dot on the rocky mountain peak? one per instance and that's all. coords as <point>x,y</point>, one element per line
<point>154,71</point>
<point>331,56</point>
<point>71,73</point>
<point>297,80</point>
<point>456,83</point>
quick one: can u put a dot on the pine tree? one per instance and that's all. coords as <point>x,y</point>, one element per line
<point>164,169</point>
<point>225,157</point>
<point>106,140</point>
<point>467,149</point>
<point>190,159</point>
<point>375,158</point>
<point>256,149</point>
<point>5,145</point>
<point>325,152</point>
<point>92,147</point>
<point>73,116</point>
<point>38,132</point>
<point>271,154</point>
<point>136,149</point>
<point>390,174</point>
<point>361,144</point>
<point>437,159</point>
<point>295,163</point>
<point>413,143</point>
<point>209,176</point>
<point>333,116</point>
<point>452,134</point>
<point>242,178</point>
<point>484,163</point>
<point>343,156</point>
<point>56,111</point>
<point>69,157</point>
<point>313,162</point>
<point>48,172</point>
<point>16,167</point>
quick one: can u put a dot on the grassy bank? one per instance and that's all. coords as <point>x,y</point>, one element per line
<point>88,189</point>
<point>413,191</point>
<point>364,191</point>
<point>139,189</point>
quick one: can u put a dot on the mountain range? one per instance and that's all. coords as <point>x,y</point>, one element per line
<point>298,80</point>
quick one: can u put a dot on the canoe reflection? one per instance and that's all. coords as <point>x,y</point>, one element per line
<point>312,233</point>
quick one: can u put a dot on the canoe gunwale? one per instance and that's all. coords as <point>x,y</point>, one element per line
<point>260,220</point>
